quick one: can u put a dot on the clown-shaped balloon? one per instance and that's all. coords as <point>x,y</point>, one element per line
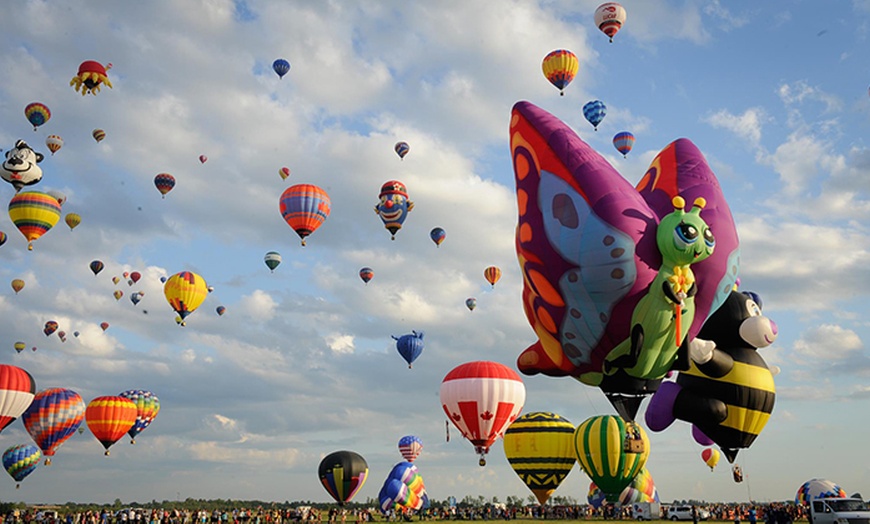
<point>588,249</point>
<point>393,206</point>
<point>90,76</point>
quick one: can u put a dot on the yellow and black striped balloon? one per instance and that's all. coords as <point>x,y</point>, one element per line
<point>539,446</point>
<point>600,446</point>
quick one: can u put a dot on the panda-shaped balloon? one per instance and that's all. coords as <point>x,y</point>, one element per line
<point>20,166</point>
<point>728,391</point>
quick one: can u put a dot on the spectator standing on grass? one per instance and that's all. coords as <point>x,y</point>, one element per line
<point>694,514</point>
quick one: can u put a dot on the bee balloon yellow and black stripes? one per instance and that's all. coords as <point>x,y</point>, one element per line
<point>539,446</point>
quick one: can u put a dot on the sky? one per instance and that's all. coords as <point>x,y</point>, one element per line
<point>303,362</point>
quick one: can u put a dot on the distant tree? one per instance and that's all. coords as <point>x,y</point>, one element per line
<point>531,499</point>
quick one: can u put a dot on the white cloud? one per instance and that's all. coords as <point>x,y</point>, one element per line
<point>746,126</point>
<point>829,342</point>
<point>340,343</point>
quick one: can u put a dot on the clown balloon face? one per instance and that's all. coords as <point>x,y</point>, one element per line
<point>20,167</point>
<point>393,206</point>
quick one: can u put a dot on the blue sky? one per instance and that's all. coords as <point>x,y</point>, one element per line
<point>303,363</point>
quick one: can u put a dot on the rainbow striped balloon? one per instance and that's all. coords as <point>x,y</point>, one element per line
<point>20,461</point>
<point>304,207</point>
<point>34,213</point>
<point>53,416</point>
<point>147,407</point>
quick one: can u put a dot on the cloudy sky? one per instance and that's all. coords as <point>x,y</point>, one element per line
<point>303,363</point>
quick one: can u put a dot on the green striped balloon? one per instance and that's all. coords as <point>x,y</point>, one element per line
<point>599,443</point>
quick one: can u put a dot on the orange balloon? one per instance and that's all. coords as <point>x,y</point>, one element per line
<point>492,274</point>
<point>109,418</point>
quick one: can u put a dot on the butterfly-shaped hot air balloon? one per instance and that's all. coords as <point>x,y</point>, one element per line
<point>53,416</point>
<point>185,291</point>
<point>590,249</point>
<point>560,67</point>
<point>272,259</point>
<point>342,474</point>
<point>393,206</point>
<point>34,213</point>
<point>410,346</point>
<point>281,67</point>
<point>402,149</point>
<point>594,112</point>
<point>366,274</point>
<point>21,460</point>
<point>90,76</point>
<point>109,418</point>
<point>482,399</point>
<point>164,182</point>
<point>147,408</point>
<point>623,142</point>
<point>540,448</point>
<point>304,207</point>
<point>437,235</point>
<point>410,447</point>
<point>37,114</point>
<point>604,454</point>
<point>609,18</point>
<point>17,389</point>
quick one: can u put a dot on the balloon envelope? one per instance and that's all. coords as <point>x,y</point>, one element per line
<point>98,135</point>
<point>185,291</point>
<point>560,67</point>
<point>402,149</point>
<point>594,112</point>
<point>304,207</point>
<point>272,260</point>
<point>72,220</point>
<point>540,448</point>
<point>609,18</point>
<point>281,67</point>
<point>34,213</point>
<point>147,407</point>
<point>21,460</point>
<point>437,235</point>
<point>410,346</point>
<point>37,114</point>
<point>818,488</point>
<point>410,447</point>
<point>481,399</point>
<point>342,474</point>
<point>366,274</point>
<point>109,418</point>
<point>623,142</point>
<point>17,389</point>
<point>53,143</point>
<point>601,450</point>
<point>53,416</point>
<point>710,456</point>
<point>164,182</point>
<point>17,285</point>
<point>492,274</point>
<point>471,303</point>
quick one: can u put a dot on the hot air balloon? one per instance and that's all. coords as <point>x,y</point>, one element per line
<point>281,67</point>
<point>21,460</point>
<point>410,447</point>
<point>61,198</point>
<point>115,280</point>
<point>135,298</point>
<point>393,206</point>
<point>147,407</point>
<point>640,489</point>
<point>609,18</point>
<point>90,76</point>
<point>33,213</point>
<point>220,310</point>
<point>304,207</point>
<point>272,260</point>
<point>72,220</point>
<point>481,399</point>
<point>61,335</point>
<point>2,238</point>
<point>437,235</point>
<point>594,112</point>
<point>17,388</point>
<point>185,292</point>
<point>109,418</point>
<point>19,346</point>
<point>623,142</point>
<point>611,451</point>
<point>403,490</point>
<point>540,448</point>
<point>52,417</point>
<point>104,326</point>
<point>492,274</point>
<point>37,114</point>
<point>50,327</point>
<point>118,294</point>
<point>818,489</point>
<point>164,182</point>
<point>560,67</point>
<point>595,267</point>
<point>98,135</point>
<point>17,285</point>
<point>96,266</point>
<point>710,456</point>
<point>402,149</point>
<point>53,143</point>
<point>342,474</point>
<point>471,303</point>
<point>75,334</point>
<point>366,274</point>
<point>410,346</point>
<point>284,172</point>
<point>135,276</point>
<point>21,166</point>
<point>202,159</point>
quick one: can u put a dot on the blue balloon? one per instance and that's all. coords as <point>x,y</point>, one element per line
<point>410,346</point>
<point>594,112</point>
<point>281,67</point>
